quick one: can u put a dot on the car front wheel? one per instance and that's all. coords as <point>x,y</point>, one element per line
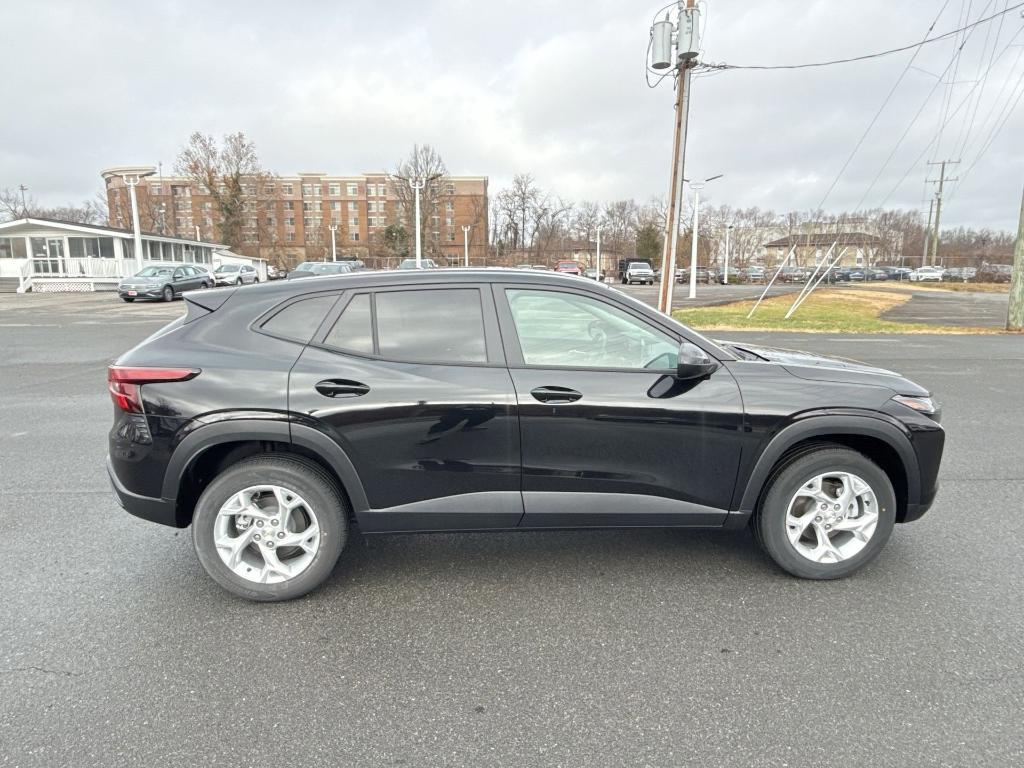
<point>168,293</point>
<point>826,514</point>
<point>270,527</point>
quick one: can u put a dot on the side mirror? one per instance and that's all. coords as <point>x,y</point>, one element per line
<point>693,363</point>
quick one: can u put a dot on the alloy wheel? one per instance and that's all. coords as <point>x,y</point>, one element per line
<point>266,534</point>
<point>832,517</point>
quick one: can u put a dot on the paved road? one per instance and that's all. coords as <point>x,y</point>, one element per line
<point>607,648</point>
<point>706,294</point>
<point>976,310</point>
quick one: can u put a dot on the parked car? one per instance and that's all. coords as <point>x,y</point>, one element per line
<point>897,273</point>
<point>524,266</point>
<point>927,274</point>
<point>639,272</point>
<point>319,269</point>
<point>876,274</point>
<point>592,273</point>
<point>164,281</point>
<point>752,275</point>
<point>424,264</point>
<point>994,273</point>
<point>569,268</point>
<point>624,265</point>
<point>235,274</point>
<point>960,274</point>
<point>541,267</point>
<point>793,275</point>
<point>271,424</point>
<point>276,273</point>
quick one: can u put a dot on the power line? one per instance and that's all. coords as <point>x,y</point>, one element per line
<point>724,65</point>
<point>885,103</point>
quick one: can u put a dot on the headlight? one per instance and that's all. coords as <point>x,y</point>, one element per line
<point>922,404</point>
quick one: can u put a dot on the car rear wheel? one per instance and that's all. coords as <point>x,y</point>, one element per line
<point>129,299</point>
<point>270,528</point>
<point>238,281</point>
<point>168,293</point>
<point>826,514</point>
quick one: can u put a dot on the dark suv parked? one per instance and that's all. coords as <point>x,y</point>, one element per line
<point>273,419</point>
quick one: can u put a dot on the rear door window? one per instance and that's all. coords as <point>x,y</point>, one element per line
<point>353,330</point>
<point>443,325</point>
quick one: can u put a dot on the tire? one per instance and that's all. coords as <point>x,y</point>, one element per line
<point>168,293</point>
<point>255,280</point>
<point>304,479</point>
<point>238,281</point>
<point>129,299</point>
<point>770,520</point>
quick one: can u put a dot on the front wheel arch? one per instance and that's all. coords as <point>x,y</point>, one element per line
<point>878,440</point>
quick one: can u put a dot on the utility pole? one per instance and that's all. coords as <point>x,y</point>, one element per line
<point>24,206</point>
<point>927,233</point>
<point>334,242</point>
<point>1015,312</point>
<point>465,240</point>
<point>681,56</point>
<point>938,204</point>
<point>599,275</point>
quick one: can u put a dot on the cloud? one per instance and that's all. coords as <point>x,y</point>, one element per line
<point>555,89</point>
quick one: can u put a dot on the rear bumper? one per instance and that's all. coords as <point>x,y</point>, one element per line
<point>163,511</point>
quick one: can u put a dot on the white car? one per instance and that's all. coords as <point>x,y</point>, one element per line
<point>639,272</point>
<point>927,274</point>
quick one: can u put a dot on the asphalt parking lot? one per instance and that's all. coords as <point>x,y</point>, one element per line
<point>659,648</point>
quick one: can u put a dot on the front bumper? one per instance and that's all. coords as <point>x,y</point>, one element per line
<point>163,511</point>
<point>139,293</point>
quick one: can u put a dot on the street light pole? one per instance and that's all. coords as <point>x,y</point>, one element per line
<point>465,240</point>
<point>725,273</point>
<point>599,275</point>
<point>334,242</point>
<point>417,185</point>
<point>131,176</point>
<point>696,186</point>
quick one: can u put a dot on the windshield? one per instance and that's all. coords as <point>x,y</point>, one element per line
<point>227,268</point>
<point>155,272</point>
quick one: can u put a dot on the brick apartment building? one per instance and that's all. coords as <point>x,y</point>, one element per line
<point>287,219</point>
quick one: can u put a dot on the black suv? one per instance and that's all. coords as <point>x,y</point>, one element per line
<point>274,418</point>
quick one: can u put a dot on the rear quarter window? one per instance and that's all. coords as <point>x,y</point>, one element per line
<point>299,320</point>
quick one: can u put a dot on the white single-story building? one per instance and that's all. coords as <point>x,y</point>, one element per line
<point>49,255</point>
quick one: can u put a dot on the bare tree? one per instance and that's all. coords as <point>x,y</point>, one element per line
<point>223,171</point>
<point>426,165</point>
<point>13,205</point>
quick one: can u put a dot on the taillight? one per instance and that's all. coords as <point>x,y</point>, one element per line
<point>124,382</point>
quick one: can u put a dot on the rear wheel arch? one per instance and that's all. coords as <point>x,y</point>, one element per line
<point>878,440</point>
<point>210,450</point>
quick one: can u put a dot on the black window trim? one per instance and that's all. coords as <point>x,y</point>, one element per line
<point>257,325</point>
<point>514,351</point>
<point>493,348</point>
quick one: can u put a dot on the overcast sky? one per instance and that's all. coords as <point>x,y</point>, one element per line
<point>551,88</point>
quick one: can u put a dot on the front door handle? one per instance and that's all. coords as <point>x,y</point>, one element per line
<point>341,388</point>
<point>555,395</point>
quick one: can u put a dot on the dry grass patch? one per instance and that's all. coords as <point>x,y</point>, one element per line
<point>848,310</point>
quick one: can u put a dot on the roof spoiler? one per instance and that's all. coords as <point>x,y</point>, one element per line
<point>201,303</point>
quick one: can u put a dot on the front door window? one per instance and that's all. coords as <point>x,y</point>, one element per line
<point>568,330</point>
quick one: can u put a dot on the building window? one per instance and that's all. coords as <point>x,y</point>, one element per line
<point>268,189</point>
<point>451,237</point>
<point>435,221</point>
<point>207,206</point>
<point>208,221</point>
<point>353,205</point>
<point>289,237</point>
<point>334,189</point>
<point>335,205</point>
<point>311,190</point>
<point>353,190</point>
<point>270,221</point>
<point>371,206</point>
<point>449,189</point>
<point>180,191</point>
<point>286,189</point>
<point>353,236</point>
<point>289,205</point>
<point>248,189</point>
<point>448,221</point>
<point>155,189</point>
<point>435,236</point>
<point>289,221</point>
<point>353,223</point>
<point>449,205</point>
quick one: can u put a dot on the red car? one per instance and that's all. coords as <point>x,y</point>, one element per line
<point>569,268</point>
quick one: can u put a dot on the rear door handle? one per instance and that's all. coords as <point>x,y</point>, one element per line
<point>341,388</point>
<point>555,395</point>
